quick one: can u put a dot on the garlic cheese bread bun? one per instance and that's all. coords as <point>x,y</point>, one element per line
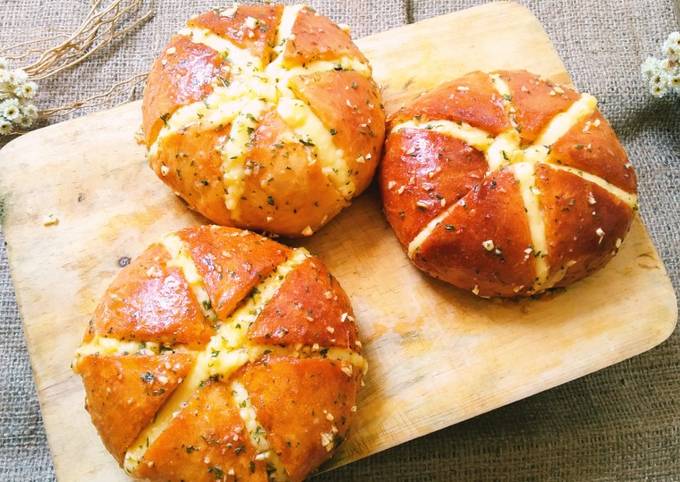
<point>263,117</point>
<point>219,354</point>
<point>506,184</point>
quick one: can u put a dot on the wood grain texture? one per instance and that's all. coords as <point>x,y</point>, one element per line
<point>437,355</point>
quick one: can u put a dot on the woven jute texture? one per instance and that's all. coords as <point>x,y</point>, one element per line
<point>620,424</point>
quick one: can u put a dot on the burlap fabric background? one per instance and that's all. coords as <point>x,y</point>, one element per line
<point>622,423</point>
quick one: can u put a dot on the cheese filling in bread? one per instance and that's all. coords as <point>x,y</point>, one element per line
<point>526,151</point>
<point>293,313</point>
<point>239,105</point>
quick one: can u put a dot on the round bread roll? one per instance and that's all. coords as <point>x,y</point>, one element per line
<point>506,184</point>
<point>263,117</point>
<point>219,354</point>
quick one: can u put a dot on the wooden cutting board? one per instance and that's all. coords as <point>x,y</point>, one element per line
<point>437,355</point>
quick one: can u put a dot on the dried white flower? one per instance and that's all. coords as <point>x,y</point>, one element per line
<point>9,109</point>
<point>26,90</point>
<point>16,90</point>
<point>649,66</point>
<point>24,121</point>
<point>658,90</point>
<point>671,47</point>
<point>29,111</point>
<point>19,76</point>
<point>5,127</point>
<point>663,75</point>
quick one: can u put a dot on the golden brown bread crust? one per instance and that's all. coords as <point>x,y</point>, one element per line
<point>506,184</point>
<point>231,266</point>
<point>441,168</point>
<point>590,151</point>
<point>177,79</point>
<point>172,407</point>
<point>280,173</point>
<point>134,382</point>
<point>295,168</point>
<point>535,105</point>
<point>318,38</point>
<point>214,442</point>
<point>356,119</point>
<point>572,221</point>
<point>259,40</point>
<point>454,250</point>
<point>311,309</point>
<point>298,399</point>
<point>201,178</point>
<point>472,99</point>
<point>149,301</point>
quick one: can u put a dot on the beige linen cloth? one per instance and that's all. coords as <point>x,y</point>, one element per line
<point>620,424</point>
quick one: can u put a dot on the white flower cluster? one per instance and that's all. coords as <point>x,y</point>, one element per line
<point>16,91</point>
<point>663,74</point>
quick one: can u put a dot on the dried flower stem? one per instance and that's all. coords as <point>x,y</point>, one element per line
<point>99,29</point>
<point>95,99</point>
<point>104,24</point>
<point>4,52</point>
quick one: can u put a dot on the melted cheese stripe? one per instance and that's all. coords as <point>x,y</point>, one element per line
<point>624,196</point>
<point>282,75</point>
<point>525,174</point>
<point>343,355</point>
<point>346,357</point>
<point>233,332</point>
<point>307,127</point>
<point>229,348</point>
<point>541,154</point>
<point>241,59</point>
<point>503,151</point>
<point>234,151</point>
<point>558,275</point>
<point>535,154</point>
<point>286,24</point>
<point>564,121</point>
<point>218,109</point>
<point>257,434</point>
<point>311,132</point>
<point>503,89</point>
<point>508,152</point>
<point>181,258</point>
<point>477,138</point>
<point>222,359</point>
<point>104,346</point>
<point>425,233</point>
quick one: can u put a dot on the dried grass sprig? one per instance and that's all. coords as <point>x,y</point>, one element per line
<point>103,25</point>
<point>98,99</point>
<point>35,44</point>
